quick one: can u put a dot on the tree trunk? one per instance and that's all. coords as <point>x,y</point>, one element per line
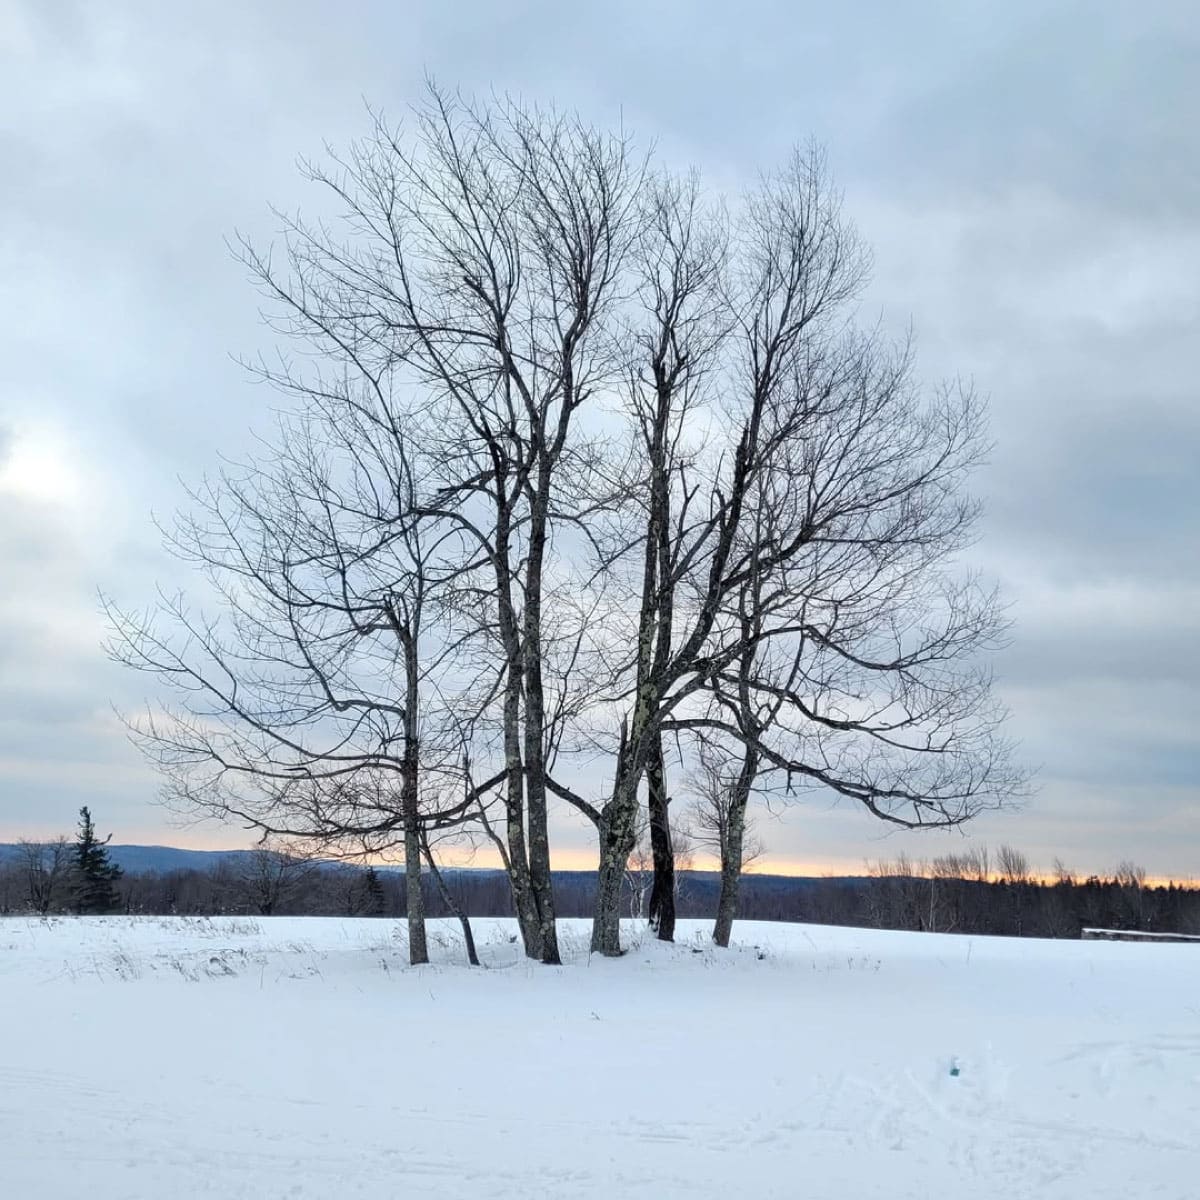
<point>535,728</point>
<point>606,922</point>
<point>418,951</point>
<point>518,862</point>
<point>541,880</point>
<point>616,843</point>
<point>727,905</point>
<point>641,750</point>
<point>618,817</point>
<point>662,893</point>
<point>731,850</point>
<point>468,938</point>
<point>731,875</point>
<point>514,801</point>
<point>410,798</point>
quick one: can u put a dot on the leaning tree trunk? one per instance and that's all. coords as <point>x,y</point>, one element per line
<point>453,905</point>
<point>616,830</point>
<point>662,893</point>
<point>727,905</point>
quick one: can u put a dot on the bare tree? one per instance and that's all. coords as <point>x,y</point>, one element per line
<point>640,875</point>
<point>1063,874</point>
<point>1129,875</point>
<point>47,868</point>
<point>1131,879</point>
<point>721,785</point>
<point>1012,868</point>
<point>798,592</point>
<point>478,268</point>
<point>896,899</point>
<point>270,876</point>
<point>973,864</point>
<point>312,710</point>
<point>1011,865</point>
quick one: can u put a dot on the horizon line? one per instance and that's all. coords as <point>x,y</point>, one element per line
<point>582,860</point>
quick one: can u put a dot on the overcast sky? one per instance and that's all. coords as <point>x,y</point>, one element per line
<point>1028,174</point>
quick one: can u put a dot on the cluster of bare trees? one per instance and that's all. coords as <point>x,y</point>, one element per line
<point>41,876</point>
<point>587,483</point>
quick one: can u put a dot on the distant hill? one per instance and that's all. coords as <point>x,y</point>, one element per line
<point>138,860</point>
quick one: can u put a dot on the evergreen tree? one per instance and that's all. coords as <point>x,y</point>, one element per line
<point>375,902</point>
<point>95,875</point>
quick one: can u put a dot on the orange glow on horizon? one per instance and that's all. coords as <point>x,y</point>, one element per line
<point>588,860</point>
<point>565,859</point>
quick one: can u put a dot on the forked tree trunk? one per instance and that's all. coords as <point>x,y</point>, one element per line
<point>518,862</point>
<point>618,817</point>
<point>524,901</point>
<point>606,922</point>
<point>616,832</point>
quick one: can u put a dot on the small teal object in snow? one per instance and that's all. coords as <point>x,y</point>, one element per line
<point>954,1066</point>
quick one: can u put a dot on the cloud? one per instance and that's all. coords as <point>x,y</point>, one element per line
<point>1058,99</point>
<point>1028,175</point>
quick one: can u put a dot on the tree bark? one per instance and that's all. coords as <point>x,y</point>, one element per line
<point>606,922</point>
<point>618,815</point>
<point>662,893</point>
<point>732,844</point>
<point>535,727</point>
<point>418,950</point>
<point>616,830</point>
<point>727,904</point>
<point>518,861</point>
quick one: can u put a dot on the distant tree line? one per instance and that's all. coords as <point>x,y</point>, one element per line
<point>953,894</point>
<point>969,893</point>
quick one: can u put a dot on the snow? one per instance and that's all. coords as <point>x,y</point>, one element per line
<point>1133,935</point>
<point>149,1057</point>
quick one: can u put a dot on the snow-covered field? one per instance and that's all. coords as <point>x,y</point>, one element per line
<point>301,1058</point>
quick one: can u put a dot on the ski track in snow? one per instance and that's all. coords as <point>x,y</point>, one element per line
<point>293,1057</point>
